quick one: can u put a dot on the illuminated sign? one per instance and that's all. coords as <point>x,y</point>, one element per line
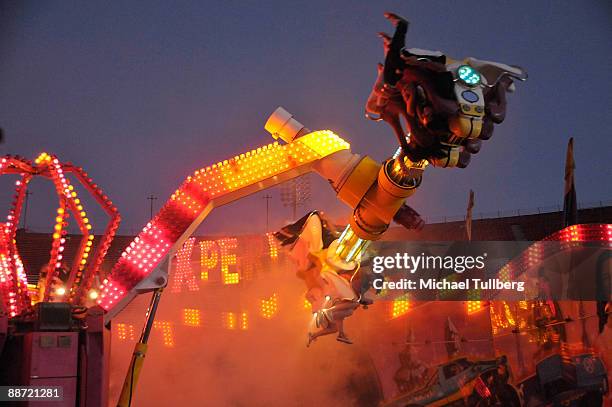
<point>217,261</point>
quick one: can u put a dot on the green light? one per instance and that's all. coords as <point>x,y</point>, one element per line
<point>468,75</point>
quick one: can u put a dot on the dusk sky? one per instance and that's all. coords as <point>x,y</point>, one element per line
<point>142,93</point>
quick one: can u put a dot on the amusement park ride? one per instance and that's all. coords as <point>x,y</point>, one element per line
<point>449,106</point>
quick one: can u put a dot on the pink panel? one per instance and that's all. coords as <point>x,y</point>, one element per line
<point>53,354</point>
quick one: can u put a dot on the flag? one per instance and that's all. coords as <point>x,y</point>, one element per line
<point>468,216</point>
<point>570,208</point>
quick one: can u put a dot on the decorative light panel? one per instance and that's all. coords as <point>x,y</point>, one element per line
<point>167,331</point>
<point>183,275</point>
<point>269,306</point>
<point>191,317</point>
<point>207,187</point>
<point>85,265</point>
<point>400,306</point>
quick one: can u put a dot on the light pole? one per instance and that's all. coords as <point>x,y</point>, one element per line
<point>25,210</point>
<point>151,198</point>
<point>295,193</point>
<point>267,198</point>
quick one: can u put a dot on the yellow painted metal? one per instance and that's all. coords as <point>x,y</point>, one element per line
<point>359,181</point>
<point>465,127</point>
<point>131,379</point>
<point>375,211</point>
<point>449,161</point>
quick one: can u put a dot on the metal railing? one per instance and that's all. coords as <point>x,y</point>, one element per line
<point>515,212</point>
